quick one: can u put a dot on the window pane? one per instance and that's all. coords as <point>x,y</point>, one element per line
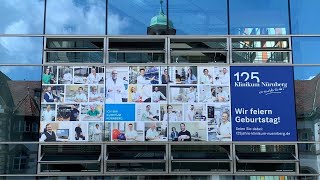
<point>18,159</point>
<point>252,17</point>
<point>23,17</point>
<point>69,50</point>
<point>75,17</point>
<point>20,50</point>
<point>305,50</point>
<point>304,16</point>
<point>309,158</point>
<point>75,57</point>
<point>307,102</point>
<point>260,50</point>
<point>198,51</point>
<point>260,57</point>
<point>199,16</point>
<point>134,17</point>
<point>19,103</point>
<point>136,50</point>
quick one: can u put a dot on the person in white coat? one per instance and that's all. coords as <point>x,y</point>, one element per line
<point>114,88</point>
<point>93,77</point>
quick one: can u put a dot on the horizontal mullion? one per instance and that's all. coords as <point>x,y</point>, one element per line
<point>265,161</point>
<point>202,51</point>
<point>202,160</point>
<point>135,161</point>
<point>73,50</point>
<point>139,51</point>
<point>70,162</point>
<point>258,50</point>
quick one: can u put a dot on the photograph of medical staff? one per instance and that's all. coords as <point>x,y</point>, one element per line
<point>183,94</point>
<point>89,75</point>
<point>184,75</point>
<point>206,75</point>
<point>143,75</point>
<point>147,112</point>
<point>188,131</point>
<point>165,77</point>
<point>171,112</point>
<point>49,75</point>
<point>156,131</point>
<point>127,131</point>
<point>95,131</point>
<point>65,75</point>
<point>53,94</point>
<point>207,94</point>
<point>96,93</point>
<point>91,112</point>
<point>48,112</point>
<point>76,93</point>
<point>117,84</point>
<point>194,112</point>
<point>139,93</point>
<point>223,93</point>
<point>159,94</point>
<point>222,76</point>
<point>55,131</point>
<point>68,112</point>
<point>79,131</point>
<point>219,123</point>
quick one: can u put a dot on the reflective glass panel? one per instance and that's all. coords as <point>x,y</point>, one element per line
<point>75,57</point>
<point>75,17</point>
<point>253,17</point>
<point>198,50</point>
<point>199,16</point>
<point>21,17</point>
<point>309,158</point>
<point>20,50</point>
<point>305,50</point>
<point>18,159</point>
<point>304,16</point>
<point>20,92</point>
<point>136,50</point>
<point>137,17</point>
<point>307,102</point>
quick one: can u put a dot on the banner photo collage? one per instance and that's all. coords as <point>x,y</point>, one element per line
<point>72,107</point>
<point>136,103</point>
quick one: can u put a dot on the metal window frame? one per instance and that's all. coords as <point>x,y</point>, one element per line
<point>287,173</point>
<point>106,161</point>
<point>170,51</point>
<point>48,50</point>
<point>164,51</point>
<point>288,50</point>
<point>170,160</point>
<point>40,155</point>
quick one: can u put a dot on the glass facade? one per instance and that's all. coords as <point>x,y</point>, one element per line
<point>108,89</point>
<point>259,18</point>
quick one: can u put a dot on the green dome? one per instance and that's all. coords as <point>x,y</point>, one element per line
<point>160,19</point>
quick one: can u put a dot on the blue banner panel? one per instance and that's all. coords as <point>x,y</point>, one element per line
<point>120,112</point>
<point>262,104</point>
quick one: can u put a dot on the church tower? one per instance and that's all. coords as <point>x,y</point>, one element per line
<point>158,24</point>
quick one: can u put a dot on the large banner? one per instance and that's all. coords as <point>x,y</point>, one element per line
<point>167,103</point>
<point>136,103</point>
<point>263,106</point>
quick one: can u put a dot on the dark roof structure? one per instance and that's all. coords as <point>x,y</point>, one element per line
<point>25,104</point>
<point>307,93</point>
